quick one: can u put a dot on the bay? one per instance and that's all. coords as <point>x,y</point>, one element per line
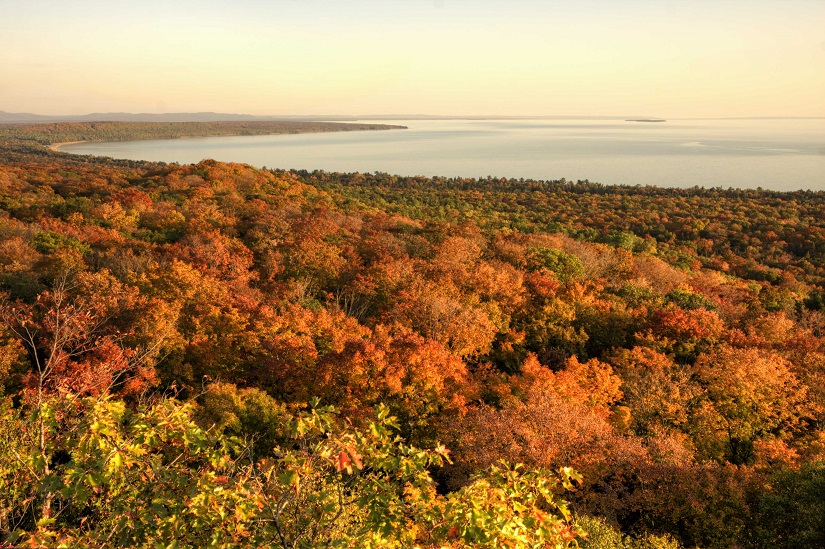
<point>776,154</point>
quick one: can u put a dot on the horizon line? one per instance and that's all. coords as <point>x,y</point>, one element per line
<point>422,116</point>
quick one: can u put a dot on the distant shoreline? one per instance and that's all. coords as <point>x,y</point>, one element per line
<point>613,153</point>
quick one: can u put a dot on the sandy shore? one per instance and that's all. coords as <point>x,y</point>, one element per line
<point>56,146</point>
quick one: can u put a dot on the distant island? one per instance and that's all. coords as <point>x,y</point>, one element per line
<point>645,120</point>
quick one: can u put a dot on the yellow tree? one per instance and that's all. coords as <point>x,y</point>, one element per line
<point>751,394</point>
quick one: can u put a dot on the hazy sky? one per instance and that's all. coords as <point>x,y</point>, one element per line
<point>585,57</point>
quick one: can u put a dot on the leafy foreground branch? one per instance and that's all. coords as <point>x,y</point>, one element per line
<point>152,477</point>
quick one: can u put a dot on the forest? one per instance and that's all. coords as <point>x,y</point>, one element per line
<point>215,355</point>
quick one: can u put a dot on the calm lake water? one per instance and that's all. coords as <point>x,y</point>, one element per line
<point>774,154</point>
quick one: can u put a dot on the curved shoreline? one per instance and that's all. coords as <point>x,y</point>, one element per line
<point>56,146</point>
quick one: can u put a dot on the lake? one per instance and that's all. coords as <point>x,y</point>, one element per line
<point>778,154</point>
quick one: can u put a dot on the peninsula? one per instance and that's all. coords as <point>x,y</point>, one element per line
<point>54,135</point>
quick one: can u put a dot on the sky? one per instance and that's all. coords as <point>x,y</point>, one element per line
<point>667,58</point>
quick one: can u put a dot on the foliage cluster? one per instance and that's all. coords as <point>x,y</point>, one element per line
<point>152,477</point>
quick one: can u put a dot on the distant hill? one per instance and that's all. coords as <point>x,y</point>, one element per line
<point>13,118</point>
<point>21,117</point>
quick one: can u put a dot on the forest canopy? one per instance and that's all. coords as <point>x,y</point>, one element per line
<point>214,355</point>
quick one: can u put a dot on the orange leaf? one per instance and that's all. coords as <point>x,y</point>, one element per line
<point>343,463</point>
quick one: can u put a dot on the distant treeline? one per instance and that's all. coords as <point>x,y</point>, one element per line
<point>752,233</point>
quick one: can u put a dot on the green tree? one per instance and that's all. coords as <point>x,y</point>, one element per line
<point>567,267</point>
